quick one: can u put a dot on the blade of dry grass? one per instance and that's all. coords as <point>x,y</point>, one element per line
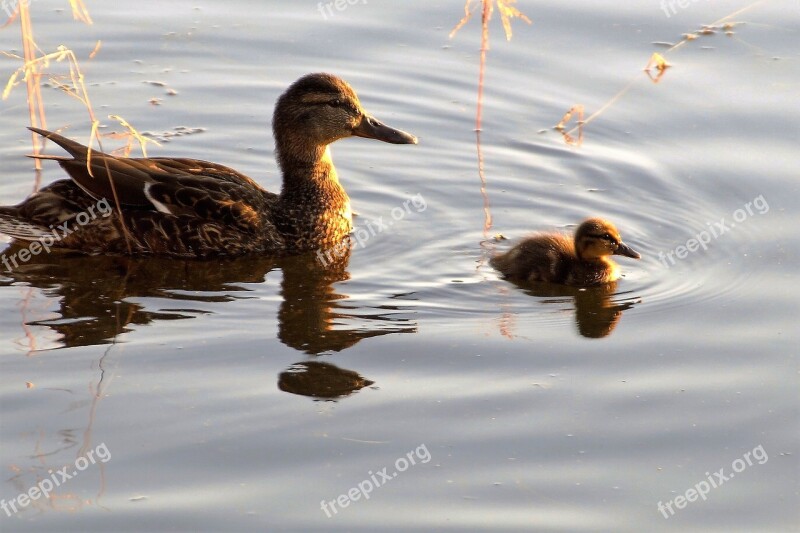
<point>79,11</point>
<point>33,82</point>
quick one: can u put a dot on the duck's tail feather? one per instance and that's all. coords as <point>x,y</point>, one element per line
<point>93,171</point>
<point>13,226</point>
<point>74,148</point>
<point>50,157</point>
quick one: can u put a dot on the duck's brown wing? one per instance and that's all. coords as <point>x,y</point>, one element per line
<point>207,191</point>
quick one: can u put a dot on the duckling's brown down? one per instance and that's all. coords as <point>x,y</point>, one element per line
<point>580,261</point>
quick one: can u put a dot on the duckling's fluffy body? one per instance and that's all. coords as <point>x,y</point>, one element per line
<point>579,261</point>
<point>193,208</point>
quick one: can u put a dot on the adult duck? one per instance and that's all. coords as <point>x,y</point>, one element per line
<point>192,208</point>
<point>580,261</point>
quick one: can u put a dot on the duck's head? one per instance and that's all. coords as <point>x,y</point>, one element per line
<point>319,109</point>
<point>596,238</point>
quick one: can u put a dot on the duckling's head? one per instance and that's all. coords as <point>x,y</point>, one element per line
<point>596,238</point>
<point>319,109</point>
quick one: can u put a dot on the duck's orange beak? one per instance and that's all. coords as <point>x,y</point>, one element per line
<point>372,128</point>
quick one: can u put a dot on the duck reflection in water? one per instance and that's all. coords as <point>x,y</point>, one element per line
<point>92,300</point>
<point>97,297</point>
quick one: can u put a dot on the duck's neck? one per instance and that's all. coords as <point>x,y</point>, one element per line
<point>309,168</point>
<point>314,209</point>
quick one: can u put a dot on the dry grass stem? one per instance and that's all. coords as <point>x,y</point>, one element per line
<point>507,13</point>
<point>658,63</point>
<point>561,126</point>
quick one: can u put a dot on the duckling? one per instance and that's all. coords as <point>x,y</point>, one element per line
<point>556,258</point>
<point>190,208</point>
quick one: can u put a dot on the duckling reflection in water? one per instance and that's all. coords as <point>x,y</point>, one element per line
<point>581,262</point>
<point>322,381</point>
<point>598,309</point>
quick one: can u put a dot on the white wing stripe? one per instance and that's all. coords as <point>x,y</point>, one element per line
<point>160,207</point>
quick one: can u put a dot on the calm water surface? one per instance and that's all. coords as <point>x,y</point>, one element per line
<point>241,395</point>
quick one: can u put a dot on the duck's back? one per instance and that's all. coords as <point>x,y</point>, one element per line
<point>166,206</point>
<point>548,258</point>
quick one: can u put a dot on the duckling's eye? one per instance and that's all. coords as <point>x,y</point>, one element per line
<point>336,103</point>
<point>611,240</point>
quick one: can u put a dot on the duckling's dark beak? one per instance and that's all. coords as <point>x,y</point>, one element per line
<point>627,251</point>
<point>371,128</point>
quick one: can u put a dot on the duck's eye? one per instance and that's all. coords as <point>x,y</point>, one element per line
<point>344,104</point>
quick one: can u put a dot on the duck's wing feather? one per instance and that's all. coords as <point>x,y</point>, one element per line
<point>17,228</point>
<point>170,186</point>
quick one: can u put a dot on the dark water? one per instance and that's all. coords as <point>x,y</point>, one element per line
<point>241,395</point>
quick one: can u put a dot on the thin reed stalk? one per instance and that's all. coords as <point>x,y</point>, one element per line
<point>507,12</point>
<point>33,83</point>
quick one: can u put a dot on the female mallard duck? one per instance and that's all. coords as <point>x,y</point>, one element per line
<point>192,208</point>
<point>556,258</point>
